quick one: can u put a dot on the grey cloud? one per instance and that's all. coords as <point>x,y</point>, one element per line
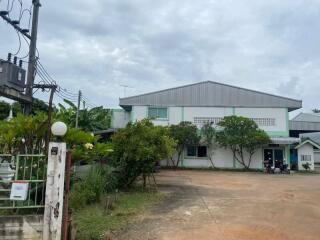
<point>99,45</point>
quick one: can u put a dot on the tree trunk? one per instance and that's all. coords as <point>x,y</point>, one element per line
<point>178,160</point>
<point>171,158</point>
<point>237,159</point>
<point>144,176</point>
<point>250,158</point>
<point>210,159</point>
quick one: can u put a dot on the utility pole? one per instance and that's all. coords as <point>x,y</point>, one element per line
<point>32,54</point>
<point>78,108</point>
<point>124,89</point>
<point>53,88</point>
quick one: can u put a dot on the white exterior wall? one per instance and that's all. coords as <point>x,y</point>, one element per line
<point>175,115</point>
<point>139,113</point>
<point>191,112</point>
<point>120,119</point>
<point>279,114</point>
<point>317,156</point>
<point>223,158</point>
<point>178,114</point>
<point>306,149</point>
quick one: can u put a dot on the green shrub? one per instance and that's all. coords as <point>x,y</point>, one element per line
<point>111,179</point>
<point>93,186</point>
<point>306,166</point>
<point>88,190</point>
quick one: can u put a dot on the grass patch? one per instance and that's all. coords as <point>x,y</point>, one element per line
<point>93,221</point>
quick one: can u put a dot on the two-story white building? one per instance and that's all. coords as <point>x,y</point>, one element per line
<point>211,101</point>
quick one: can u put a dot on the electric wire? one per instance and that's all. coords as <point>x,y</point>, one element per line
<point>19,48</point>
<point>62,95</point>
<point>30,14</point>
<point>40,70</point>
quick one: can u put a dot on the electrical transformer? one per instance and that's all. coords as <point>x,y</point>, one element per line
<point>12,75</point>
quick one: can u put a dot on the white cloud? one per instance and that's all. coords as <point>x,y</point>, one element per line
<point>99,45</point>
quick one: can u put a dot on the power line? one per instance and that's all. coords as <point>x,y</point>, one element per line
<point>19,48</point>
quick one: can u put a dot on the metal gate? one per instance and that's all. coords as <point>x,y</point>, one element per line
<point>27,168</point>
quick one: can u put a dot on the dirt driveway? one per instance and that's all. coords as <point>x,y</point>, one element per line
<point>205,205</point>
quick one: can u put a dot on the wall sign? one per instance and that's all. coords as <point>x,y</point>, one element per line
<point>19,191</point>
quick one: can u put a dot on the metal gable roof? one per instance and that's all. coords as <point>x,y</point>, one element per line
<point>307,117</point>
<point>211,94</point>
<point>315,136</point>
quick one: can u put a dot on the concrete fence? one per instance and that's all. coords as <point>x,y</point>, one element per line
<point>21,227</point>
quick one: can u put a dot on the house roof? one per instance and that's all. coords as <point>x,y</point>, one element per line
<point>315,136</point>
<point>304,126</point>
<point>211,94</point>
<point>307,117</point>
<point>284,140</point>
<point>308,141</point>
<point>305,122</point>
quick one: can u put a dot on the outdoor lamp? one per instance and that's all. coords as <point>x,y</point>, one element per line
<point>59,129</point>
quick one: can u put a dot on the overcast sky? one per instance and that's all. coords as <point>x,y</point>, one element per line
<point>99,45</point>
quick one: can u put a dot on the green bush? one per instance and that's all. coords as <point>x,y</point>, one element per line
<point>88,190</point>
<point>93,186</point>
<point>137,148</point>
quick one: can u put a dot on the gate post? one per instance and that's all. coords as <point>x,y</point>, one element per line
<point>66,214</point>
<point>53,211</point>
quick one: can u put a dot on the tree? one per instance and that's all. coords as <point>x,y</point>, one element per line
<point>4,110</point>
<point>185,134</point>
<point>137,148</point>
<point>241,135</point>
<point>23,134</point>
<point>90,120</point>
<point>208,134</point>
<point>316,110</point>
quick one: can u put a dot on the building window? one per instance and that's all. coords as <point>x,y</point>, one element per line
<point>264,121</point>
<point>157,113</point>
<point>197,151</point>
<point>200,121</point>
<point>306,158</point>
<point>191,151</point>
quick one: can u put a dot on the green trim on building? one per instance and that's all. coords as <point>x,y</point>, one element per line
<point>278,133</point>
<point>287,150</point>
<point>287,120</point>
<point>118,110</point>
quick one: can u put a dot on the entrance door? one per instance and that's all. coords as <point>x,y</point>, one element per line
<point>268,157</point>
<point>273,157</point>
<point>278,158</point>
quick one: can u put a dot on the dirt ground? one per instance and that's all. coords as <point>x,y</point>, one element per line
<point>203,205</point>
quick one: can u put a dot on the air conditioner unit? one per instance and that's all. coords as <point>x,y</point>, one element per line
<point>12,75</point>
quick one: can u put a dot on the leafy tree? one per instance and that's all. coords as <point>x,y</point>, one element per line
<point>37,106</point>
<point>23,134</point>
<point>95,119</point>
<point>16,109</point>
<point>184,133</point>
<point>208,134</point>
<point>241,135</point>
<point>89,119</point>
<point>4,110</point>
<point>137,148</point>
